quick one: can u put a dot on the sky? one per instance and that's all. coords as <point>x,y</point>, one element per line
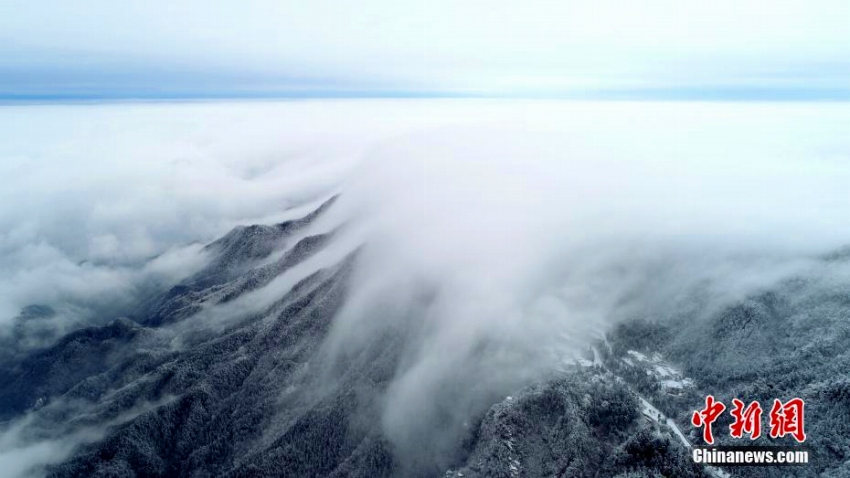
<point>726,49</point>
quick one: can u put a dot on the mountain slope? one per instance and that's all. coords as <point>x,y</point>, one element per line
<point>230,373</point>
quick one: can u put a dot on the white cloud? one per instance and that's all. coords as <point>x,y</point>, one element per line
<point>30,443</point>
<point>499,235</point>
<point>499,250</point>
<point>94,191</point>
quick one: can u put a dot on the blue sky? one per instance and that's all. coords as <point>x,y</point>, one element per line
<point>744,49</point>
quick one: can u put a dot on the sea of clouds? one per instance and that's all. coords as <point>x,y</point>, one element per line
<point>500,236</point>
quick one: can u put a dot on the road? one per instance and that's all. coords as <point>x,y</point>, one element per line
<point>653,414</point>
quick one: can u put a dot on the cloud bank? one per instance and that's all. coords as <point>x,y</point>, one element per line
<point>102,200</point>
<point>497,237</point>
<point>498,252</point>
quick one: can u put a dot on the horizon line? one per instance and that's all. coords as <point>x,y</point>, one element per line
<point>684,93</point>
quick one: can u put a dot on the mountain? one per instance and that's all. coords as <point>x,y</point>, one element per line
<point>230,373</point>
